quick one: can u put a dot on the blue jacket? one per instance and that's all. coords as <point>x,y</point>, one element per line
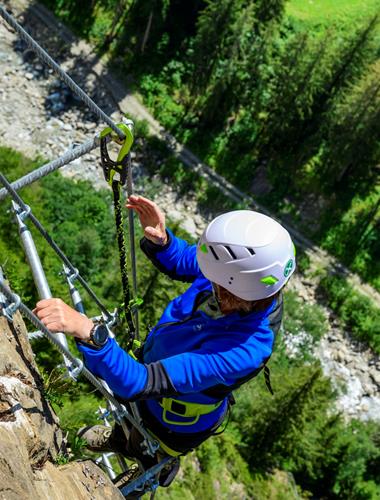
<point>194,353</point>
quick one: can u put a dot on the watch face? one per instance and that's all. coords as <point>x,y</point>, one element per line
<point>100,335</point>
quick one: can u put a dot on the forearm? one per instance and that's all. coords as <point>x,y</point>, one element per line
<point>125,376</point>
<point>176,259</point>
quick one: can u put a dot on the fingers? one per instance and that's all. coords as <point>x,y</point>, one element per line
<point>141,209</point>
<point>151,232</point>
<point>59,317</point>
<point>51,312</point>
<point>53,318</point>
<point>136,208</point>
<point>42,304</point>
<point>44,313</point>
<point>141,200</point>
<point>144,205</point>
<point>54,326</point>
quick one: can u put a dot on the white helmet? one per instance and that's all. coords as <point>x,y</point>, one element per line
<point>247,253</point>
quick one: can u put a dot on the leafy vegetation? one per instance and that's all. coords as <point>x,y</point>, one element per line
<point>357,312</point>
<point>287,91</point>
<point>301,317</point>
<point>291,444</point>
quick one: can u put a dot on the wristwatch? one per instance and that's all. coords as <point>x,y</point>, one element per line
<point>98,336</point>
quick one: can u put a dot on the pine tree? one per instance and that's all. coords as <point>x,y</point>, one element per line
<point>267,11</point>
<point>353,147</point>
<point>227,50</point>
<point>267,425</point>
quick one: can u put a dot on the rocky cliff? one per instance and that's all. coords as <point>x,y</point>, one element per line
<point>30,437</point>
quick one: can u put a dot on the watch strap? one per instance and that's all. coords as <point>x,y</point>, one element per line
<point>91,341</point>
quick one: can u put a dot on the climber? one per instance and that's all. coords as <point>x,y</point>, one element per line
<point>210,340</point>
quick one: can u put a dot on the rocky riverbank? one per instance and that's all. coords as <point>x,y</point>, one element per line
<point>40,117</point>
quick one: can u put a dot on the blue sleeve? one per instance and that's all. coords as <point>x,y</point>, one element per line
<point>125,376</point>
<point>184,373</point>
<point>177,259</point>
<point>214,364</point>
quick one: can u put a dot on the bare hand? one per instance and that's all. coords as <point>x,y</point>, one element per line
<point>151,217</point>
<point>59,317</point>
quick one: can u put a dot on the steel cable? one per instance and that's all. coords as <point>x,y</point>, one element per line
<point>132,246</point>
<point>69,156</point>
<point>54,246</point>
<point>44,56</point>
<point>13,298</point>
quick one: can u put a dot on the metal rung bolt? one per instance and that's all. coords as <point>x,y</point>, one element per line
<point>151,447</point>
<point>120,413</point>
<point>75,372</point>
<point>73,276</point>
<point>24,214</point>
<point>12,308</point>
<point>151,485</point>
<point>103,413</point>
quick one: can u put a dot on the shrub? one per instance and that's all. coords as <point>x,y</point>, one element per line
<point>358,313</point>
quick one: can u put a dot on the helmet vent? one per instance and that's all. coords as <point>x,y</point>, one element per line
<point>213,253</point>
<point>251,251</point>
<point>230,251</point>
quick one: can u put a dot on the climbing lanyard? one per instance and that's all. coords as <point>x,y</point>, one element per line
<point>116,173</point>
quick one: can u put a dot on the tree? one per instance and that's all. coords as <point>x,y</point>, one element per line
<point>353,150</point>
<point>270,426</point>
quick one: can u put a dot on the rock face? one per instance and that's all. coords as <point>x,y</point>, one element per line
<point>30,438</point>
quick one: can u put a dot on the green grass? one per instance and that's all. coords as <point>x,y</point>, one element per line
<point>322,11</point>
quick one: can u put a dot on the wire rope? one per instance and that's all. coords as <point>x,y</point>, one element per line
<point>69,156</point>
<point>132,248</point>
<point>16,303</point>
<point>45,57</point>
<point>15,196</point>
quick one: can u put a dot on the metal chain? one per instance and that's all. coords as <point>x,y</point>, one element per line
<point>67,157</point>
<point>44,56</point>
<point>54,246</point>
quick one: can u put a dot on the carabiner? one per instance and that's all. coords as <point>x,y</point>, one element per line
<point>120,166</point>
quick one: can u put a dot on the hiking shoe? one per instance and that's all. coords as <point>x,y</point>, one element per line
<point>168,473</point>
<point>97,437</point>
<point>126,477</point>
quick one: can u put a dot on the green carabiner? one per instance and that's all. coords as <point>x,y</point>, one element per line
<point>120,166</point>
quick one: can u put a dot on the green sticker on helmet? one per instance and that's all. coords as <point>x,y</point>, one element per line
<point>269,280</point>
<point>203,248</point>
<point>288,268</point>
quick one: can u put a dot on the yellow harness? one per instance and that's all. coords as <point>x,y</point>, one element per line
<point>186,410</point>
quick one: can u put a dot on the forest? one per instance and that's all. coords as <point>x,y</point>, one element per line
<point>284,103</point>
<point>312,452</point>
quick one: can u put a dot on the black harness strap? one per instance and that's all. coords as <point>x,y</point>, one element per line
<point>267,379</point>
